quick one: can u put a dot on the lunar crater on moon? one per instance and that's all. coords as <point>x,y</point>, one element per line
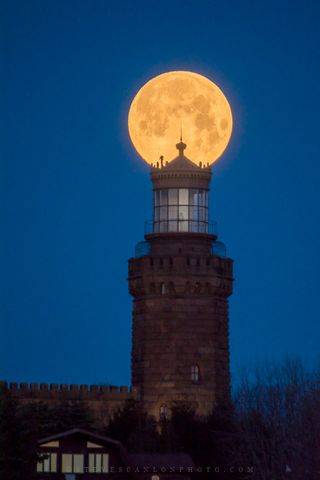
<point>176,101</point>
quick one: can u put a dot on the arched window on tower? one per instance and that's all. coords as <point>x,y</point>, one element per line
<point>195,374</point>
<point>163,412</point>
<point>163,289</point>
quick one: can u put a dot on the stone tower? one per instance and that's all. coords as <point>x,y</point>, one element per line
<point>180,280</point>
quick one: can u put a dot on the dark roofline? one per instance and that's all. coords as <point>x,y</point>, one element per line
<point>84,432</point>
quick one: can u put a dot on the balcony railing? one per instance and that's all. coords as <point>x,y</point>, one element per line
<point>181,226</point>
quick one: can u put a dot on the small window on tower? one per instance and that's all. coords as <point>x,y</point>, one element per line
<point>163,412</point>
<point>195,374</point>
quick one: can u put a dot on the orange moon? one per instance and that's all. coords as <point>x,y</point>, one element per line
<point>175,101</point>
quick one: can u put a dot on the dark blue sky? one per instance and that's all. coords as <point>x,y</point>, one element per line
<point>74,195</point>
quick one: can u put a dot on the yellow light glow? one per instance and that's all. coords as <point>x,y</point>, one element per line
<point>180,100</point>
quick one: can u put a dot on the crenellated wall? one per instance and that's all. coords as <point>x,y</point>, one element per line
<point>180,274</point>
<point>102,400</point>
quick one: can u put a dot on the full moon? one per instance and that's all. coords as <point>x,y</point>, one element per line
<point>176,102</point>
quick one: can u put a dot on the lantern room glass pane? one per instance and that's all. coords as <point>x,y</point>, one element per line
<point>163,227</point>
<point>175,205</point>
<point>194,226</point>
<point>172,226</point>
<point>183,212</point>
<point>163,197</point>
<point>203,227</point>
<point>193,213</point>
<point>173,196</point>
<point>193,196</point>
<point>183,226</point>
<point>163,213</point>
<point>173,213</point>
<point>183,196</point>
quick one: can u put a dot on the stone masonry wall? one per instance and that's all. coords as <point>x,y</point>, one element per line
<point>102,400</point>
<point>180,319</point>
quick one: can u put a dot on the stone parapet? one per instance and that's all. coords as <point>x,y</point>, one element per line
<point>101,400</point>
<point>180,275</point>
<point>55,391</point>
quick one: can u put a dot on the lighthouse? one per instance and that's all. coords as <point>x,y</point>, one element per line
<point>180,280</point>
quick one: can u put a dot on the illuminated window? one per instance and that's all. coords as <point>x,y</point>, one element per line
<point>47,462</point>
<point>180,210</point>
<point>72,463</point>
<point>195,373</point>
<point>98,463</point>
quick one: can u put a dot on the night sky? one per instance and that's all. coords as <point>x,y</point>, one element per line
<point>75,195</point>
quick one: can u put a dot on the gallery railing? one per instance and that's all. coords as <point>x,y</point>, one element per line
<point>181,226</point>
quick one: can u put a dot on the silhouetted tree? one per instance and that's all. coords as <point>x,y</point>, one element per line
<point>21,426</point>
<point>68,414</point>
<point>207,439</point>
<point>134,428</point>
<point>278,422</point>
<point>18,453</point>
<point>222,426</point>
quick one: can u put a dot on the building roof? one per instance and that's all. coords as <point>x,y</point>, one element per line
<point>83,432</point>
<point>151,460</point>
<point>181,173</point>
<point>181,163</point>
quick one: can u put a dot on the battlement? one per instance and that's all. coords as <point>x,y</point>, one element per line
<point>175,264</point>
<point>56,391</point>
<point>180,274</point>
